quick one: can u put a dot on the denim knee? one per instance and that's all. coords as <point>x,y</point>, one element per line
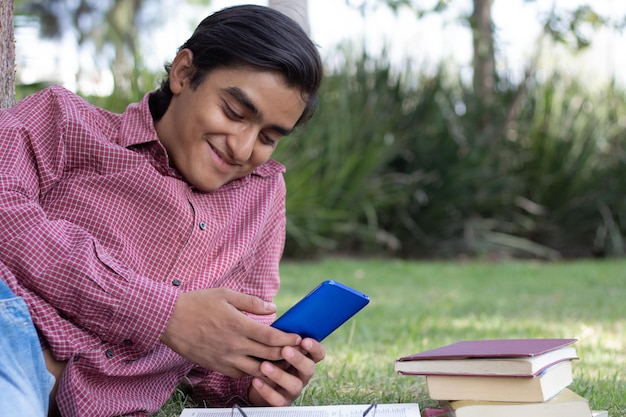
<point>25,382</point>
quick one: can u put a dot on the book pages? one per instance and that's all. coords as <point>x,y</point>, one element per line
<point>354,410</point>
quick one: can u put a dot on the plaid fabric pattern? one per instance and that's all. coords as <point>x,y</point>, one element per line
<point>100,235</point>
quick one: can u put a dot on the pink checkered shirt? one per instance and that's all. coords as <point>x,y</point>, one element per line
<point>99,236</point>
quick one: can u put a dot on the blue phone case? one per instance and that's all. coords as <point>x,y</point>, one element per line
<point>322,311</point>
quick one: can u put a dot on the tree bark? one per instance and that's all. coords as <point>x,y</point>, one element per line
<point>298,10</point>
<point>484,56</point>
<point>7,55</point>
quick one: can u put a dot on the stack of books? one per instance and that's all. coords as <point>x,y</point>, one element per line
<point>500,377</point>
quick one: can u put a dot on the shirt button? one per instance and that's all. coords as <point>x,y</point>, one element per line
<point>202,225</point>
<point>176,283</point>
<point>128,342</point>
<point>109,353</point>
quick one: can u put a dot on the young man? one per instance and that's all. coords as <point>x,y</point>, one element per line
<point>146,245</point>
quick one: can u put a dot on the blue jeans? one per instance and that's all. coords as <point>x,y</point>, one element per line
<point>25,382</point>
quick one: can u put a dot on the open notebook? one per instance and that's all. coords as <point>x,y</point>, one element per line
<point>354,410</point>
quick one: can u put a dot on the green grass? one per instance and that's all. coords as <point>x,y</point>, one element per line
<point>422,305</point>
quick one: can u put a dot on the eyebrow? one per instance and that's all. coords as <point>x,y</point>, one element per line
<point>239,95</point>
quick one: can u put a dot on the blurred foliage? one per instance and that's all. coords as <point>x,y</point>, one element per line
<point>111,29</point>
<point>337,178</point>
<point>408,168</point>
<point>569,24</point>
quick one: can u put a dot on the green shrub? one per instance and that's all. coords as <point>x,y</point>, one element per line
<point>423,168</point>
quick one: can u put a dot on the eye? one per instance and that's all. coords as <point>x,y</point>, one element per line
<point>268,140</point>
<point>230,113</point>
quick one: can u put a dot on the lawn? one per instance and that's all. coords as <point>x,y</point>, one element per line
<point>422,305</point>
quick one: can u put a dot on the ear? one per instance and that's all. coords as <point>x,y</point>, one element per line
<point>181,71</point>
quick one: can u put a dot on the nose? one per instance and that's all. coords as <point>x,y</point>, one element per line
<point>242,144</point>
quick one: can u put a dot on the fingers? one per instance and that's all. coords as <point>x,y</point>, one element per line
<point>284,381</point>
<point>249,303</point>
<point>278,387</point>
<point>209,327</point>
<point>315,349</point>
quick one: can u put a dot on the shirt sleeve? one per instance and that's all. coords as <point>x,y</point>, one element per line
<point>58,261</point>
<point>212,389</point>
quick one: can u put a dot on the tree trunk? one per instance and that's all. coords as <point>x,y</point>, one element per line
<point>7,55</point>
<point>298,10</point>
<point>484,56</point>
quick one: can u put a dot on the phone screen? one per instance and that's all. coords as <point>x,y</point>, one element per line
<point>322,311</point>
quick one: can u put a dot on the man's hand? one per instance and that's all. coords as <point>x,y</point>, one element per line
<point>209,328</point>
<point>283,382</point>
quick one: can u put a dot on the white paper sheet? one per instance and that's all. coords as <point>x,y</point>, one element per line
<point>354,410</point>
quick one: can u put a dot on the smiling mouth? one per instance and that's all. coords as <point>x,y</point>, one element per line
<point>221,157</point>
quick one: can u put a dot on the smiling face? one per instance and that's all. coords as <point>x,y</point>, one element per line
<point>228,125</point>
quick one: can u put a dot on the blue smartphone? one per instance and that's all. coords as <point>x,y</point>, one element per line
<point>322,311</point>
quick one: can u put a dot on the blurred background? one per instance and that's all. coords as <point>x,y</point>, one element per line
<point>461,128</point>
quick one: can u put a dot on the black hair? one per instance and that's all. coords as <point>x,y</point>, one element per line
<point>250,36</point>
